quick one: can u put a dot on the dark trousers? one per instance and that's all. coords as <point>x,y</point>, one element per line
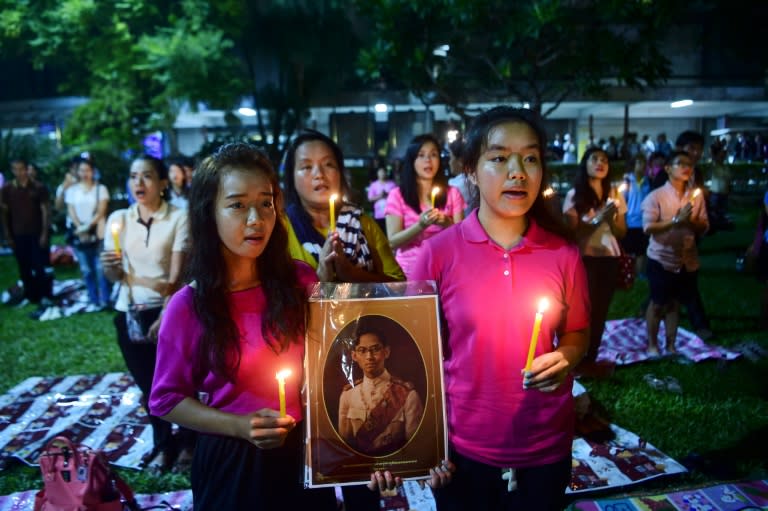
<point>140,359</point>
<point>32,262</point>
<point>602,275</point>
<point>476,486</point>
<point>232,474</point>
<point>694,307</point>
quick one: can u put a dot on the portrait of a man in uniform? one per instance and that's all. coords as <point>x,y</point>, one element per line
<point>380,412</point>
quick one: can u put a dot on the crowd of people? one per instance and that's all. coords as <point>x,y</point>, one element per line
<point>208,267</point>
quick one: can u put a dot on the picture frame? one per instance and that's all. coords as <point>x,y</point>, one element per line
<point>357,420</point>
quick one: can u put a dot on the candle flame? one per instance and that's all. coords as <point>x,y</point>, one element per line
<point>549,192</point>
<point>334,197</point>
<point>282,375</point>
<point>696,193</point>
<point>435,190</point>
<point>622,187</point>
<point>115,228</point>
<point>543,305</point>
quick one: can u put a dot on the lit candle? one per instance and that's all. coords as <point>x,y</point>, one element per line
<point>695,194</point>
<point>332,205</point>
<point>435,191</point>
<point>622,187</point>
<point>543,305</point>
<point>281,376</point>
<point>116,236</point>
<point>549,192</point>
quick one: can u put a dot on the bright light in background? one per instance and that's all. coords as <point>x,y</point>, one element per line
<point>681,103</point>
<point>380,108</point>
<point>442,50</point>
<point>248,112</point>
<point>451,135</point>
<point>526,105</point>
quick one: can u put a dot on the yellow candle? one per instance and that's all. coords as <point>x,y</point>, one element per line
<point>695,194</point>
<point>281,376</point>
<point>435,191</point>
<point>543,305</point>
<point>332,205</point>
<point>116,236</point>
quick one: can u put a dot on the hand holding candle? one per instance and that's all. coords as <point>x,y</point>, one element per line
<point>332,205</point>
<point>543,305</point>
<point>435,191</point>
<point>281,376</point>
<point>116,236</point>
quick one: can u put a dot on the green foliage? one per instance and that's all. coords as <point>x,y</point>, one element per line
<point>531,52</point>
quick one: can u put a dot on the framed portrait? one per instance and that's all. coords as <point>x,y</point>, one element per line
<point>374,388</point>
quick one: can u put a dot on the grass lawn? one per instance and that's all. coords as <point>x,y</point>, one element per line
<point>721,415</point>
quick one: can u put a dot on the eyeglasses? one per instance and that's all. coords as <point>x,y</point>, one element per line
<point>373,350</point>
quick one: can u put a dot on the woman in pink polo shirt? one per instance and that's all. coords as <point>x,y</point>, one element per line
<point>411,218</point>
<point>510,429</point>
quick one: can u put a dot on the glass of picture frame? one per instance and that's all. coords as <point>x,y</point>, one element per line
<point>374,388</point>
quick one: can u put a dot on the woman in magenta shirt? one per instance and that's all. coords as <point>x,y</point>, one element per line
<point>410,216</point>
<point>510,430</point>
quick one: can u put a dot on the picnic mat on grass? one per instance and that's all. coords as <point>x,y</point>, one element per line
<point>104,412</point>
<point>625,341</point>
<point>25,500</point>
<point>101,411</point>
<point>723,497</point>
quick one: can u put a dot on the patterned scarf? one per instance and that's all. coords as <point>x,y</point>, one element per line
<point>348,226</point>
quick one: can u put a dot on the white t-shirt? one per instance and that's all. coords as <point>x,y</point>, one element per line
<point>84,201</point>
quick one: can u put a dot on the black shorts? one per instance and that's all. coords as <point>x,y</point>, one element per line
<point>667,286</point>
<point>635,242</point>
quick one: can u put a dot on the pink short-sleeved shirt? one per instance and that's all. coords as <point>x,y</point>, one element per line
<point>396,206</point>
<point>254,387</point>
<point>489,297</point>
<point>676,247</point>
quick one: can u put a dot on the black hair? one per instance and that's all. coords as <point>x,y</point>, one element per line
<point>584,196</point>
<point>155,163</point>
<point>283,320</point>
<point>408,178</point>
<point>689,137</point>
<point>370,325</point>
<point>476,141</point>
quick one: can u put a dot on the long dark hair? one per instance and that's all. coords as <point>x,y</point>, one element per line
<point>476,142</point>
<point>283,320</point>
<point>584,196</point>
<point>408,177</point>
<point>289,163</point>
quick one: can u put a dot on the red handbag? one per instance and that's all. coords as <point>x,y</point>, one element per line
<point>78,478</point>
<point>626,275</point>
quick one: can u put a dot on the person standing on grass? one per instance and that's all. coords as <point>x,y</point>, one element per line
<point>153,242</point>
<point>25,211</point>
<point>594,212</point>
<point>87,202</point>
<point>673,217</point>
<point>510,430</point>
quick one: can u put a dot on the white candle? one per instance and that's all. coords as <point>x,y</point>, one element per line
<point>543,305</point>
